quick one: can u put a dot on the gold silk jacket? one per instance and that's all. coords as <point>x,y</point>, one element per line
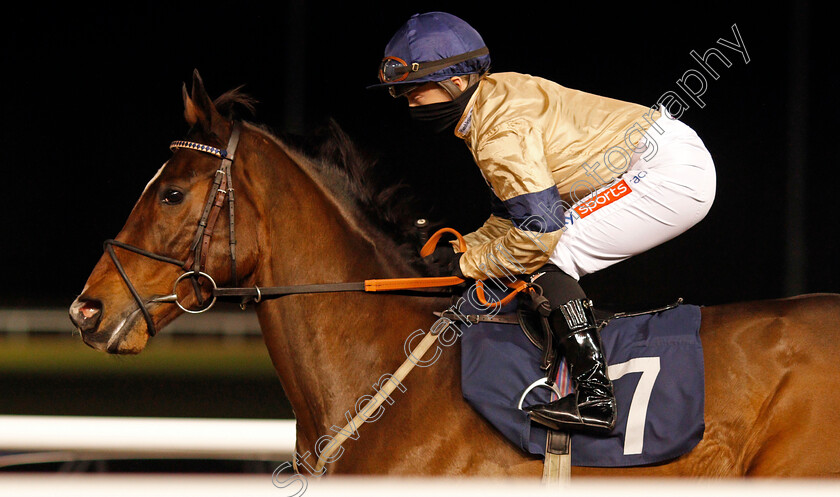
<point>540,147</point>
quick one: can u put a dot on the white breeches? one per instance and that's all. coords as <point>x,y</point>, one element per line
<point>668,188</point>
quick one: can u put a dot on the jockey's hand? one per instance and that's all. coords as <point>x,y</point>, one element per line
<point>455,266</point>
<point>444,261</point>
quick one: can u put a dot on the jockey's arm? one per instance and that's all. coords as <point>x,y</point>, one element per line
<point>520,237</point>
<point>496,225</point>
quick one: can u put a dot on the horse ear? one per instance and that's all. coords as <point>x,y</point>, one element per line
<point>199,108</point>
<point>190,113</point>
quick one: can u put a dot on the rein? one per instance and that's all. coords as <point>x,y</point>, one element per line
<point>194,267</point>
<point>222,190</point>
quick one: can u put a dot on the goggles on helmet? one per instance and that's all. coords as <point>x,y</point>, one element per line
<point>395,69</point>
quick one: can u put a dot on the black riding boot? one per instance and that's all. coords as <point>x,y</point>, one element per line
<point>591,407</point>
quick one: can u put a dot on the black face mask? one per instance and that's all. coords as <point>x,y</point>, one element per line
<point>443,116</point>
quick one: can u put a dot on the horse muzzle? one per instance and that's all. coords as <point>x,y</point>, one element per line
<point>113,333</point>
<point>86,314</point>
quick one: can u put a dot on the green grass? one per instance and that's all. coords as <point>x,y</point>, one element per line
<point>232,357</point>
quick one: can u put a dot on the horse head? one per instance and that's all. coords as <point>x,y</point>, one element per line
<point>305,215</point>
<point>129,294</point>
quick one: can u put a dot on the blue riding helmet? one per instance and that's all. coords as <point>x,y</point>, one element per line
<point>431,47</point>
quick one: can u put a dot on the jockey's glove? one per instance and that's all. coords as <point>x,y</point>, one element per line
<point>444,261</point>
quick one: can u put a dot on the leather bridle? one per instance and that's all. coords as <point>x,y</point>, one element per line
<point>194,267</point>
<point>221,190</point>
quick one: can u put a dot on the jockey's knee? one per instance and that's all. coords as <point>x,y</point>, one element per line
<point>557,286</point>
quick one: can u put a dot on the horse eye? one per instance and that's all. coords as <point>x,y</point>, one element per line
<point>173,197</point>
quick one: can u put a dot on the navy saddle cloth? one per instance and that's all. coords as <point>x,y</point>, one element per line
<point>655,361</point>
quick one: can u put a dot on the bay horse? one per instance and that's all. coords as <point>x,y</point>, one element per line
<point>772,377</point>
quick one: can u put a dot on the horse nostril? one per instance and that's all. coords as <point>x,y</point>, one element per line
<point>89,309</point>
<point>85,314</point>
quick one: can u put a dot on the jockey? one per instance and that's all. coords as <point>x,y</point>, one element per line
<point>577,182</point>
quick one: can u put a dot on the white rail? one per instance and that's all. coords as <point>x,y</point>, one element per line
<point>159,437</point>
<point>257,486</point>
<point>274,441</point>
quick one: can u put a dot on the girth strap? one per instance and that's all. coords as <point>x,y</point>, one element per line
<point>557,466</point>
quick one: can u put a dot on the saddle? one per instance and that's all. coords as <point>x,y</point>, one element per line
<point>533,325</point>
<point>655,360</point>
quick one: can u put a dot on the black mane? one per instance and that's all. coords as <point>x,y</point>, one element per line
<point>227,103</point>
<point>354,177</point>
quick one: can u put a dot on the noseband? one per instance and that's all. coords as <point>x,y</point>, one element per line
<point>221,190</point>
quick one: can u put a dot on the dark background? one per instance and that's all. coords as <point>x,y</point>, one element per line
<point>92,98</point>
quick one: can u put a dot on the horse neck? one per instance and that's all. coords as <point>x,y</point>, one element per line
<point>327,348</point>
